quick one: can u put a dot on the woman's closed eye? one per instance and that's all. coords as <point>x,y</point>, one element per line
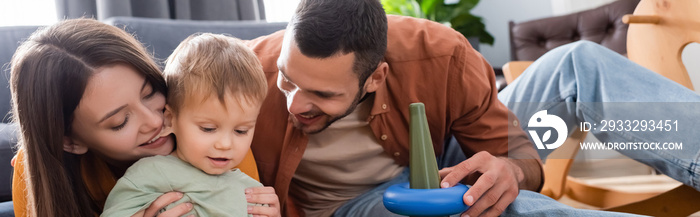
<point>120,126</point>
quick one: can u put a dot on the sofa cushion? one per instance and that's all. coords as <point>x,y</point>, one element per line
<point>161,36</point>
<point>8,139</point>
<point>603,25</point>
<point>11,38</point>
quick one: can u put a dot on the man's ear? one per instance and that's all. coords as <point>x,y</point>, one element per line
<point>72,147</point>
<point>377,78</point>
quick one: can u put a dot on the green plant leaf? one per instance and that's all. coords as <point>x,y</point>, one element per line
<point>403,7</point>
<point>416,9</point>
<point>464,6</point>
<point>441,12</point>
<point>391,6</point>
<point>428,7</point>
<point>457,15</point>
<point>470,26</point>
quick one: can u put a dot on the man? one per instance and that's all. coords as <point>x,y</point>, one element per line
<point>337,126</point>
<point>333,134</point>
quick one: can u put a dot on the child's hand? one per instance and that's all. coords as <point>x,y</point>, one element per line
<point>163,201</point>
<point>263,195</point>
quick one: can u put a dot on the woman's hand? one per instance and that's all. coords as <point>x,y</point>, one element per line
<point>163,201</point>
<point>263,195</point>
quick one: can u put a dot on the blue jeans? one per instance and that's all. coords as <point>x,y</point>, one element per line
<point>578,72</point>
<point>585,74</point>
<point>6,209</point>
<point>528,203</point>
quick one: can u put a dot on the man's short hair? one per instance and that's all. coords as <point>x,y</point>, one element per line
<point>323,28</point>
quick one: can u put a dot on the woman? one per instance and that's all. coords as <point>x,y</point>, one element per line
<point>89,102</point>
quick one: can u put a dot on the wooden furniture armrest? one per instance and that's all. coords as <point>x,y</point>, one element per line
<point>556,168</point>
<point>593,195</point>
<point>681,201</point>
<point>513,69</point>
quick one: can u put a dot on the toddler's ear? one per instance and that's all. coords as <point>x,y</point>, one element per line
<point>167,122</point>
<point>168,117</point>
<point>72,147</point>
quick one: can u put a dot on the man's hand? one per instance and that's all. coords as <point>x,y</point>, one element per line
<point>263,195</point>
<point>493,191</point>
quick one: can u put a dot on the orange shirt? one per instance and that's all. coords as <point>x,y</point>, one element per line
<point>97,176</point>
<point>429,63</point>
<point>19,186</point>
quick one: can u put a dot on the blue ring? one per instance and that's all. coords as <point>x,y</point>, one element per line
<point>403,200</point>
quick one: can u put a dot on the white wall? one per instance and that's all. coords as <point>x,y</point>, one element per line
<point>691,59</point>
<point>561,7</point>
<point>27,12</point>
<point>497,13</point>
<point>279,10</point>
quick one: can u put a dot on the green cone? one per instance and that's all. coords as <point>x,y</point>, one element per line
<point>424,172</point>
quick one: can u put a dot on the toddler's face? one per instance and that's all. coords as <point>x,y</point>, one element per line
<point>213,137</point>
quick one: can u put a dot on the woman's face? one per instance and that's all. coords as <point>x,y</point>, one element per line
<point>120,116</point>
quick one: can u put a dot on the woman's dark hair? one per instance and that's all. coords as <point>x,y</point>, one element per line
<point>49,73</point>
<point>323,28</point>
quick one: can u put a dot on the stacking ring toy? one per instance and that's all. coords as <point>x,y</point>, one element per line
<point>403,200</point>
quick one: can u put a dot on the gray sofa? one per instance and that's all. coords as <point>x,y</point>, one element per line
<point>160,36</point>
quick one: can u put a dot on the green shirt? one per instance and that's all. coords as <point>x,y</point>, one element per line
<point>150,177</point>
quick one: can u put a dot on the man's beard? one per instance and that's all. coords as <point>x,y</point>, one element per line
<point>359,97</point>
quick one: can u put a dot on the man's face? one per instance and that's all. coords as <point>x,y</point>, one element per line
<point>318,91</point>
